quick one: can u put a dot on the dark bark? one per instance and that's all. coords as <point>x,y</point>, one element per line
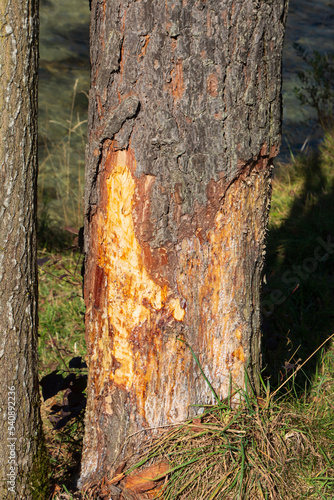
<point>22,458</point>
<point>184,121</point>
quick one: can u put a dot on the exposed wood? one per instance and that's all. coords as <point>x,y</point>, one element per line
<point>177,199</point>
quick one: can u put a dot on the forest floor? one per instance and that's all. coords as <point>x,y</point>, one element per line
<point>280,445</point>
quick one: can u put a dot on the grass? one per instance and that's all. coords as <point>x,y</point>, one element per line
<point>261,449</point>
<point>61,305</point>
<point>61,337</point>
<point>298,295</point>
<point>61,310</point>
<point>277,446</point>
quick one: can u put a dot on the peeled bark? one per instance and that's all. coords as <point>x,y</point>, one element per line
<point>184,122</point>
<point>23,464</point>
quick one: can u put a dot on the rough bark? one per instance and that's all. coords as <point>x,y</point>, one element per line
<point>184,121</point>
<point>22,458</point>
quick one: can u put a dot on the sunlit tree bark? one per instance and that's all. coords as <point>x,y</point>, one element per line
<point>23,463</point>
<point>184,123</point>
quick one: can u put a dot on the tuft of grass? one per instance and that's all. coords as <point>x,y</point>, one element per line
<point>244,447</point>
<point>263,448</point>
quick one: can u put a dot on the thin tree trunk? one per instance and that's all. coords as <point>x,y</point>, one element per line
<point>23,463</point>
<point>184,122</point>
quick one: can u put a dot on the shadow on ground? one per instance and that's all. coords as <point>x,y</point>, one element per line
<point>298,298</point>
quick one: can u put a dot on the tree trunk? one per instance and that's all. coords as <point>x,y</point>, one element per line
<point>184,122</point>
<point>22,458</point>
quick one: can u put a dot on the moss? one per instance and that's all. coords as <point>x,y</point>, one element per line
<point>40,471</point>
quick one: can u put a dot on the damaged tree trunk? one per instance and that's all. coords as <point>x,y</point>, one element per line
<point>184,122</point>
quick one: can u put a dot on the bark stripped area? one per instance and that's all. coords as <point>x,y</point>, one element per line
<point>184,123</point>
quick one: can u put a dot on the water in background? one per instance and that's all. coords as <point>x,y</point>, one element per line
<point>311,24</point>
<point>64,57</point>
<point>64,85</point>
<point>63,102</point>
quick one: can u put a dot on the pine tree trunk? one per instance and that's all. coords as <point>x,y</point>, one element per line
<point>184,122</point>
<point>22,458</point>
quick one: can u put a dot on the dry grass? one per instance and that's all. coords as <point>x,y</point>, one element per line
<point>262,449</point>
